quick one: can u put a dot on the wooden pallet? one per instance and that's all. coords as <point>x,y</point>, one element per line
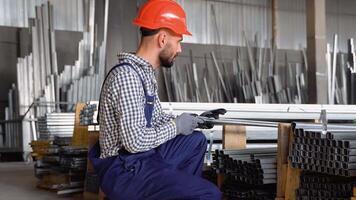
<point>288,178</point>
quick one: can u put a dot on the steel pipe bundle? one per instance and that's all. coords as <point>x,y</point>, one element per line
<point>10,129</point>
<point>68,161</point>
<point>232,192</point>
<point>332,153</point>
<point>73,158</point>
<point>236,80</point>
<point>88,115</point>
<point>341,73</point>
<point>319,186</point>
<point>56,124</point>
<point>268,112</point>
<point>249,173</point>
<point>248,166</point>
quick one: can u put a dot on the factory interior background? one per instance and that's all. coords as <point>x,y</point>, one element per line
<point>285,71</point>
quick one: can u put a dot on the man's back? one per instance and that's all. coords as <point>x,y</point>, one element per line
<point>122,117</point>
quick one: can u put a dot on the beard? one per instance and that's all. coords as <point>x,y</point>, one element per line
<point>167,58</point>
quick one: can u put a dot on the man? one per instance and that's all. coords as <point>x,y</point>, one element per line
<point>145,153</point>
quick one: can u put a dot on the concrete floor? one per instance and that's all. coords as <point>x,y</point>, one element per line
<point>17,182</point>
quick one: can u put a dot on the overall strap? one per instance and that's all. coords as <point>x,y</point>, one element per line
<point>149,99</point>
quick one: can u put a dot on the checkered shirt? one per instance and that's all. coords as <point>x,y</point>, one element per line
<point>122,117</point>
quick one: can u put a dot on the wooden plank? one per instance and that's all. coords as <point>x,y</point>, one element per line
<point>80,134</point>
<point>354,191</point>
<point>293,175</point>
<point>282,158</point>
<point>90,196</point>
<point>293,180</point>
<point>234,137</point>
<point>221,178</point>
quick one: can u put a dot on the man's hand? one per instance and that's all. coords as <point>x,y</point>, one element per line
<point>211,114</point>
<point>187,122</point>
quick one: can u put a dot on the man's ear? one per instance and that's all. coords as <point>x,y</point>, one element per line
<point>162,39</point>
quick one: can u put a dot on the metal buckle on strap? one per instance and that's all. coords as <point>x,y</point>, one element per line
<point>150,102</point>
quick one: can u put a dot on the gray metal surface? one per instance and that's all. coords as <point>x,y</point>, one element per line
<point>67,13</point>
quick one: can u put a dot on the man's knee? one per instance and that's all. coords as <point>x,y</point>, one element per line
<point>199,137</point>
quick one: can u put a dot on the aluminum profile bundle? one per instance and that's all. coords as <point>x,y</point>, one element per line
<point>68,161</point>
<point>248,166</point>
<point>236,80</point>
<point>73,158</point>
<point>233,192</point>
<point>10,131</point>
<point>318,186</point>
<point>341,73</point>
<point>88,115</point>
<point>56,124</point>
<point>249,173</point>
<point>38,78</point>
<point>332,153</point>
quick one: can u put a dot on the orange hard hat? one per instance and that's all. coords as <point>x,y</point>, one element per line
<point>157,14</point>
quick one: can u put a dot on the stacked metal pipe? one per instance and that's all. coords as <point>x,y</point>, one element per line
<point>350,82</point>
<point>319,186</point>
<point>41,84</point>
<point>56,124</point>
<point>69,161</point>
<point>332,152</point>
<point>249,173</point>
<point>235,80</point>
<point>258,193</point>
<point>10,131</point>
<point>248,166</point>
<point>341,73</point>
<point>88,115</point>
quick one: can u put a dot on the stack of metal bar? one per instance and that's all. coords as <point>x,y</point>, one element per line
<point>10,131</point>
<point>49,155</point>
<point>40,83</point>
<point>80,82</point>
<point>332,152</point>
<point>341,73</point>
<point>73,158</point>
<point>56,124</point>
<point>319,186</point>
<point>68,161</point>
<point>235,80</point>
<point>351,72</point>
<point>249,172</point>
<point>73,161</point>
<point>88,115</point>
<point>243,193</point>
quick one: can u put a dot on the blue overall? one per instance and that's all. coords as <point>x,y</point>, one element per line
<point>172,171</point>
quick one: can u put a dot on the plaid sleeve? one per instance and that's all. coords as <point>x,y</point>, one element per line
<point>160,117</point>
<point>128,98</point>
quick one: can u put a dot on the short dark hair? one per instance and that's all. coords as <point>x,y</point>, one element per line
<point>148,32</point>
